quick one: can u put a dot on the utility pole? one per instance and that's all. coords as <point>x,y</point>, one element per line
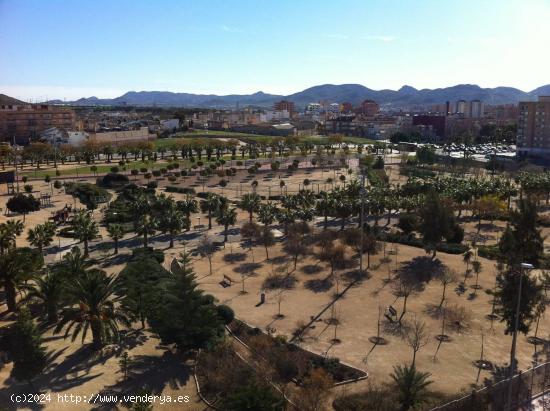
<point>361,220</point>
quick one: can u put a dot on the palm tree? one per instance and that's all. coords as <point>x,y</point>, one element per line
<point>325,206</point>
<point>116,232</point>
<point>226,217</point>
<point>48,290</point>
<point>146,225</point>
<point>85,228</point>
<point>16,266</point>
<point>267,213</point>
<point>94,307</point>
<point>188,206</point>
<point>7,238</point>
<point>411,385</point>
<point>250,202</point>
<point>173,221</point>
<point>73,264</point>
<point>16,228</point>
<point>210,205</point>
<point>42,235</point>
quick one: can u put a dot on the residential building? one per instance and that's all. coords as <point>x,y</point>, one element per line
<point>284,105</point>
<point>25,121</point>
<point>476,109</point>
<point>122,137</point>
<point>533,136</point>
<point>171,124</point>
<point>432,123</point>
<point>369,108</point>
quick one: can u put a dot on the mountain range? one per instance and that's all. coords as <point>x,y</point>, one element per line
<point>405,97</point>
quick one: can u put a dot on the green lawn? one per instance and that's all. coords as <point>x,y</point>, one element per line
<point>194,135</point>
<point>101,169</point>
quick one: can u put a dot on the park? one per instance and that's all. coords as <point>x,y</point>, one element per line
<point>297,273</point>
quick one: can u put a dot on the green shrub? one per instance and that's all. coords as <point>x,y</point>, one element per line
<point>152,184</point>
<point>113,180</point>
<point>225,313</point>
<point>89,194</point>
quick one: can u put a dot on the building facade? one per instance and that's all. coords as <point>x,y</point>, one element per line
<point>533,137</point>
<point>21,122</point>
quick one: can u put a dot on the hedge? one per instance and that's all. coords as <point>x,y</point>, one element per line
<point>412,241</point>
<point>181,190</point>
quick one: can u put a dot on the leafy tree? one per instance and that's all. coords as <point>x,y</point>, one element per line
<point>507,297</point>
<point>188,206</point>
<point>26,349</point>
<point>94,307</point>
<point>42,235</point>
<point>522,241</point>
<point>23,204</point>
<point>116,232</point>
<point>85,228</point>
<point>182,314</point>
<point>436,222</point>
<point>254,396</point>
<point>411,385</point>
<point>17,266</point>
<point>425,155</point>
<point>137,286</point>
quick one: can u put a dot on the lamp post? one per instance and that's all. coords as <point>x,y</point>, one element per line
<point>524,266</point>
<point>362,222</point>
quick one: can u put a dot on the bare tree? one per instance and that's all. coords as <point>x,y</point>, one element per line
<point>416,336</point>
<point>446,277</point>
<point>206,249</point>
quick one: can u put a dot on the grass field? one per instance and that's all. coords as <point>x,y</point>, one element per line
<point>192,136</point>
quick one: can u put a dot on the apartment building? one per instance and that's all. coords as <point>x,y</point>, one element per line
<point>25,121</point>
<point>533,137</point>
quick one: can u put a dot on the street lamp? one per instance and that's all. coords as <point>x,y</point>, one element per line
<point>524,266</point>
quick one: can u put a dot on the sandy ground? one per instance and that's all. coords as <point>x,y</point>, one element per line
<point>77,372</point>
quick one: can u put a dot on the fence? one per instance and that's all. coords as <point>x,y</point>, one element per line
<point>525,386</point>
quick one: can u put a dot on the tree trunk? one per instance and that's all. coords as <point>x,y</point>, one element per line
<point>116,246</point>
<point>9,288</point>
<point>96,334</point>
<point>404,309</point>
<point>86,247</point>
<point>443,296</point>
<point>171,240</point>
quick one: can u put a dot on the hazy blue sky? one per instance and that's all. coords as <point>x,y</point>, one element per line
<point>69,49</point>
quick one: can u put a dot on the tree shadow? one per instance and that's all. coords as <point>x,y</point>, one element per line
<point>319,285</point>
<point>311,269</point>
<point>356,276</point>
<point>280,259</point>
<point>421,269</point>
<point>234,257</point>
<point>152,372</point>
<point>247,268</point>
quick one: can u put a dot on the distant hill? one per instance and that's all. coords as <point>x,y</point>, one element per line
<point>9,100</point>
<point>405,97</point>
